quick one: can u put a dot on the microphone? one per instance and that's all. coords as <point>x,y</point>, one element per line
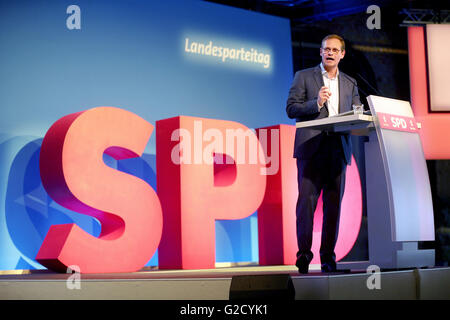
<point>356,85</point>
<point>370,86</point>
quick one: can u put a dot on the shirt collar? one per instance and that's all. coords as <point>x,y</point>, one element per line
<point>325,73</point>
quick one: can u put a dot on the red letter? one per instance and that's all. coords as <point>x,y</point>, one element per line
<point>199,183</point>
<point>277,217</point>
<point>75,176</point>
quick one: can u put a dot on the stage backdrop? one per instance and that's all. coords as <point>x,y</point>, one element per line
<point>430,98</point>
<point>158,59</point>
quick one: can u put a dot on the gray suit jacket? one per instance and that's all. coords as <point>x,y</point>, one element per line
<point>302,106</point>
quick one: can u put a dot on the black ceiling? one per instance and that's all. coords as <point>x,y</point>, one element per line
<point>308,11</point>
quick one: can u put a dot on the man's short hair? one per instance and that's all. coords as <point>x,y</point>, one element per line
<point>335,36</point>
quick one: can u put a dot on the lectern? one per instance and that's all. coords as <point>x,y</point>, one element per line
<point>399,203</point>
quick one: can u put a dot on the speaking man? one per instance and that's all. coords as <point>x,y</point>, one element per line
<point>322,157</point>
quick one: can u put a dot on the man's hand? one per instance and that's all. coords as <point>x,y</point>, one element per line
<point>324,95</point>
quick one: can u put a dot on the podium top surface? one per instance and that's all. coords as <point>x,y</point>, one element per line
<point>339,123</point>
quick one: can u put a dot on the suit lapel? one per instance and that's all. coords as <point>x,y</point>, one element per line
<point>318,77</point>
<point>319,82</point>
<point>341,81</point>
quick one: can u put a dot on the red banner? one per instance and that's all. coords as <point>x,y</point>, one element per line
<point>395,122</point>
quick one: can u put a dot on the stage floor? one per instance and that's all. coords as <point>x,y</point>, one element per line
<point>214,284</point>
<point>154,273</point>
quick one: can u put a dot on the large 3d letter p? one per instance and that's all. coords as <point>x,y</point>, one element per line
<point>207,170</point>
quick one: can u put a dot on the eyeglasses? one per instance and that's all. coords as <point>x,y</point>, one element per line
<point>327,50</point>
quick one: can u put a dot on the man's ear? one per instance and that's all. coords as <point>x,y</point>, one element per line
<point>343,54</point>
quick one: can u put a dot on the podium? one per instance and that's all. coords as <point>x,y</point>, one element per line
<point>399,203</point>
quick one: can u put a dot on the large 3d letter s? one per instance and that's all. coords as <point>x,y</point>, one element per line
<point>74,175</point>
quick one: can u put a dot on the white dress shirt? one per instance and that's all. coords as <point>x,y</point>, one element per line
<point>333,85</point>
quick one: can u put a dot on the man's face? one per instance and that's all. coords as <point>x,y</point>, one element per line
<point>331,53</point>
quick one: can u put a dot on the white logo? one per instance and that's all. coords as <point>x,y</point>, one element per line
<point>374,21</point>
<point>210,145</point>
<point>74,20</point>
<point>374,280</point>
<point>73,282</point>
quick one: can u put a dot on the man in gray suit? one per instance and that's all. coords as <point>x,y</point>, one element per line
<point>322,158</point>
